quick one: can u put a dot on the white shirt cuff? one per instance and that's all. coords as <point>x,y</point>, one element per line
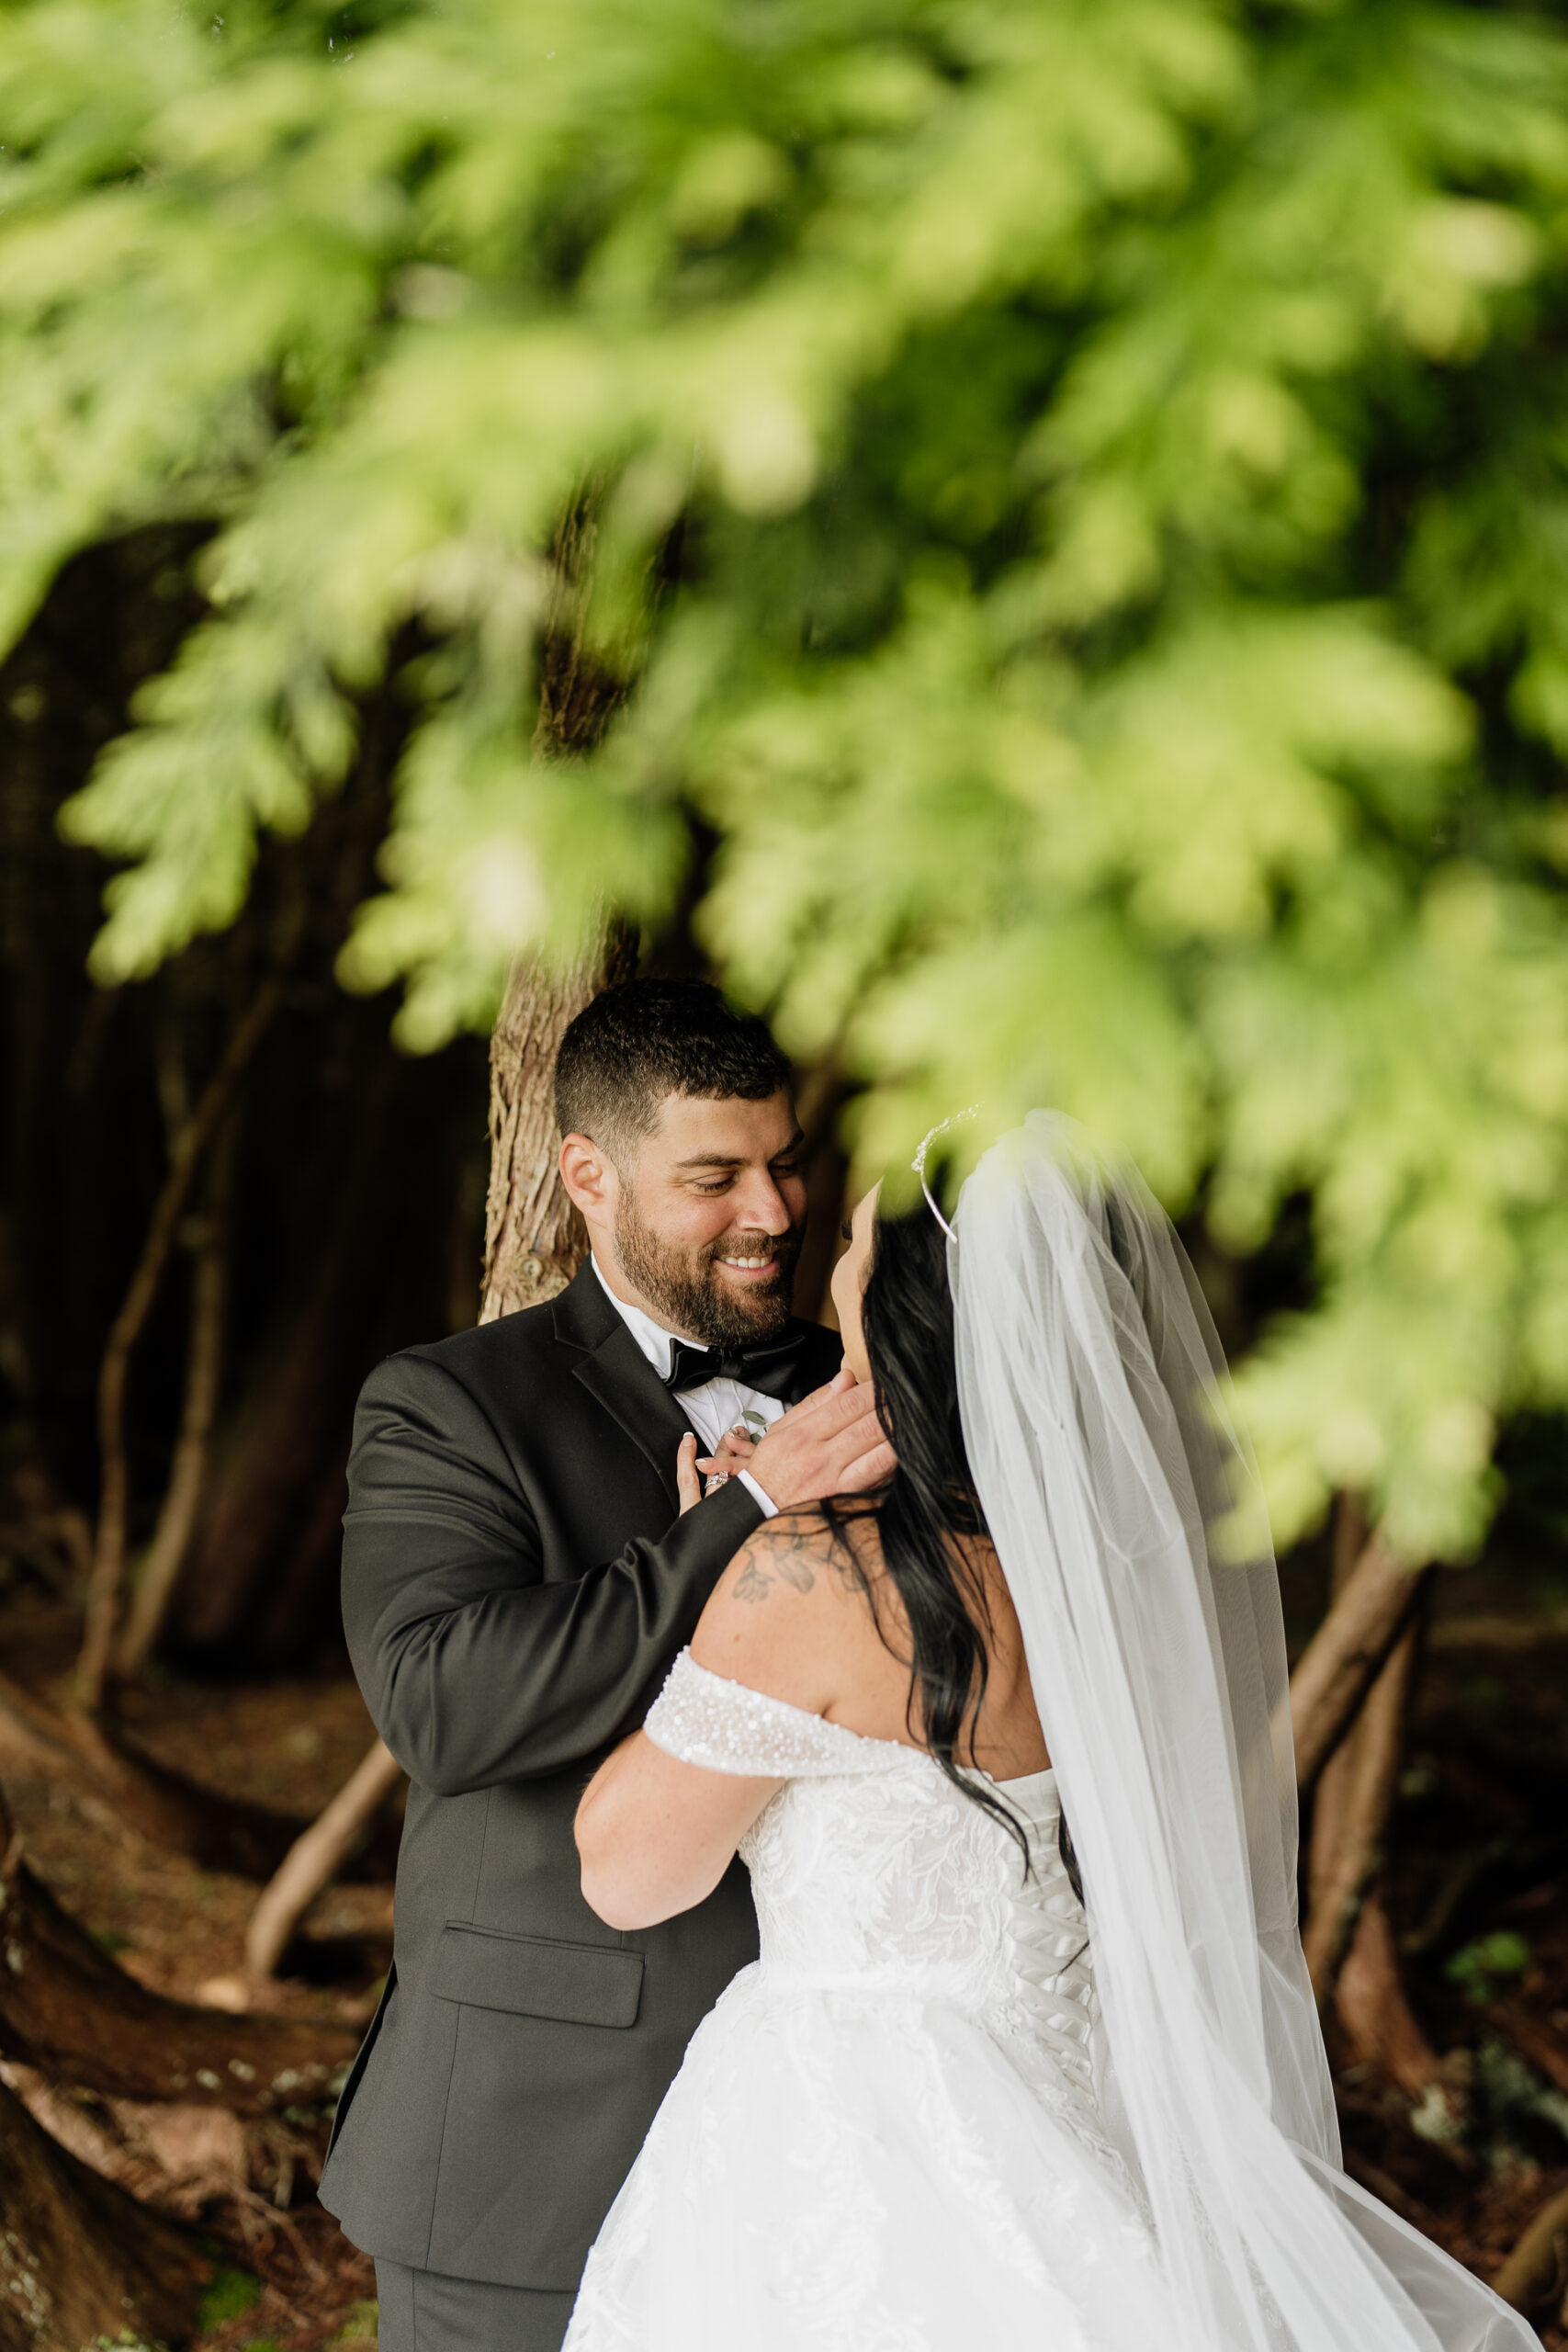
<point>769,1508</point>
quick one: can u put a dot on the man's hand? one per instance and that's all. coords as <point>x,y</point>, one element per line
<point>830,1444</point>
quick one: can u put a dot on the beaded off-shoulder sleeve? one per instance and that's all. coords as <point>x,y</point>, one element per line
<point>703,1718</point>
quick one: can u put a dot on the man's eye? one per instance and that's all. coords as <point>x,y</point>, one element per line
<point>846,1232</point>
<point>720,1184</point>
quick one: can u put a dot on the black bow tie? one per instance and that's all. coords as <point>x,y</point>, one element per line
<point>770,1369</point>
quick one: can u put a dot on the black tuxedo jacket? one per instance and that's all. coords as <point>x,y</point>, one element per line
<point>517,1582</point>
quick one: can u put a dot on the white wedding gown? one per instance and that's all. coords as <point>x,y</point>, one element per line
<point>894,2133</point>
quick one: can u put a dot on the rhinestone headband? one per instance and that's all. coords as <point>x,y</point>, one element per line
<point>918,1163</point>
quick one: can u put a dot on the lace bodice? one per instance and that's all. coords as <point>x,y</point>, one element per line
<point>873,1874</point>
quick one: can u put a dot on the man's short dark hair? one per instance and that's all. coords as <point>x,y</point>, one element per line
<point>646,1039</point>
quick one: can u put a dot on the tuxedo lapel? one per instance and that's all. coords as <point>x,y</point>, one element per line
<point>613,1368</point>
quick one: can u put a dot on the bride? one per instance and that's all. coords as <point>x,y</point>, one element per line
<point>992,2084</point>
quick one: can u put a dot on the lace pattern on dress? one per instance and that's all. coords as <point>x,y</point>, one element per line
<point>703,1718</point>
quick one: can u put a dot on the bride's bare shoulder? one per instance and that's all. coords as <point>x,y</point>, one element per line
<point>776,1619</point>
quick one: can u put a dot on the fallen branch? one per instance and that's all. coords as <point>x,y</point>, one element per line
<point>315,1859</point>
<point>1539,2263</point>
<point>66,2008</point>
<point>1346,1652</point>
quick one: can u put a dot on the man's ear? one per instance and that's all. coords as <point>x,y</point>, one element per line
<point>591,1179</point>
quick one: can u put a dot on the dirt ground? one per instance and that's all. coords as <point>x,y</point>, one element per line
<point>1479,1895</point>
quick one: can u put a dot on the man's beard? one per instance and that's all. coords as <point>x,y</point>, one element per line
<point>687,1292</point>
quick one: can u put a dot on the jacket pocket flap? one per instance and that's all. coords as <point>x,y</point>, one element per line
<point>534,1976</point>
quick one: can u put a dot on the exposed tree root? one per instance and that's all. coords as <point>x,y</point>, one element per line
<point>66,2008</point>
<point>1538,2268</point>
<point>1375,2012</point>
<point>79,2258</point>
<point>220,1832</point>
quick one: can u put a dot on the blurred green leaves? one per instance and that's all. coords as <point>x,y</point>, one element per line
<point>1081,499</point>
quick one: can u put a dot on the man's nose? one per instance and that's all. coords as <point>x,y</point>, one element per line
<point>761,1205</point>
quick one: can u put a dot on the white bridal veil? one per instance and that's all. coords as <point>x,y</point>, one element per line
<point>1124,1508</point>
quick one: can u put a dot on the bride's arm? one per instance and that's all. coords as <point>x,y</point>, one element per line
<point>655,1834</point>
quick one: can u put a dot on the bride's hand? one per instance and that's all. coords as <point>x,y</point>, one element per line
<point>694,1478</point>
<point>688,1485</point>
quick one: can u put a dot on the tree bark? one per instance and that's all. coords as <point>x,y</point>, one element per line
<point>1367,1763</point>
<point>1348,1651</point>
<point>534,1239</point>
<point>316,1858</point>
<point>67,2009</point>
<point>1356,1788</point>
<point>80,2261</point>
<point>1349,1695</point>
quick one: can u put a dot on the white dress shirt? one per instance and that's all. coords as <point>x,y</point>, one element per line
<point>716,1406</point>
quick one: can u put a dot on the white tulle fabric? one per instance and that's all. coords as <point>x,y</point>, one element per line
<point>889,2135</point>
<point>1124,1509</point>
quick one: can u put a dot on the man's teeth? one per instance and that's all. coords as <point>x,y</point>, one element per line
<point>755,1263</point>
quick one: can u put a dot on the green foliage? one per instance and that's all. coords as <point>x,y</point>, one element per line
<point>360,2327</point>
<point>230,2293</point>
<point>1080,491</point>
<point>1479,1965</point>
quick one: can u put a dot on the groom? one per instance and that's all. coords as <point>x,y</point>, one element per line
<point>517,1579</point>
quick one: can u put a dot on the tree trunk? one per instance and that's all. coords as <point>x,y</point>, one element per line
<point>204,1382</point>
<point>534,1239</point>
<point>103,1587</point>
<point>1341,1662</point>
<point>1349,1943</point>
<point>66,2008</point>
<point>1355,1790</point>
<point>80,2261</point>
<point>1359,1781</point>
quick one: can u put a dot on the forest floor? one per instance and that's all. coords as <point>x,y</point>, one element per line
<point>1479,1893</point>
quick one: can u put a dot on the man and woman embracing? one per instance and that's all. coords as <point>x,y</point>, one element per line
<point>749,1993</point>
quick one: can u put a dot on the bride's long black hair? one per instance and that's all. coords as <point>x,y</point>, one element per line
<point>928,1516</point>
